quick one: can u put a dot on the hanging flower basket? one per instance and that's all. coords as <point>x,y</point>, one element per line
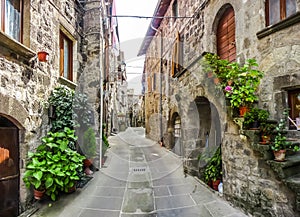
<point>43,56</point>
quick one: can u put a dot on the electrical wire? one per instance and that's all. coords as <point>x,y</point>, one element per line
<point>150,17</point>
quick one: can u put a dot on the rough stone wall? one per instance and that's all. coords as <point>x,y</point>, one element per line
<point>248,181</point>
<point>24,88</point>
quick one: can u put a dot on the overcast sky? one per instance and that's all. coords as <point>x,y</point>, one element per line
<point>131,33</point>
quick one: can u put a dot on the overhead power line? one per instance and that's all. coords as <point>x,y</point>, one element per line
<point>150,17</point>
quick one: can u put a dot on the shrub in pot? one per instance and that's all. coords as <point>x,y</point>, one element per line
<point>59,165</point>
<point>255,117</point>
<point>280,143</point>
<point>213,170</point>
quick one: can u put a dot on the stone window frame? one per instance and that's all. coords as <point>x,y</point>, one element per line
<point>282,11</point>
<point>3,18</point>
<point>19,50</point>
<point>62,39</point>
<point>65,81</point>
<point>291,94</point>
<point>289,21</point>
<point>281,93</point>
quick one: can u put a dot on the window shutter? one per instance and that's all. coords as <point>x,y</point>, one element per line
<point>177,45</point>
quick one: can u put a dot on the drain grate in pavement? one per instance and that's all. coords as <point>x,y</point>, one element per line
<point>138,169</point>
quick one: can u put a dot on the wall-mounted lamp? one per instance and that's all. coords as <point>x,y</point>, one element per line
<point>43,56</point>
<point>123,66</point>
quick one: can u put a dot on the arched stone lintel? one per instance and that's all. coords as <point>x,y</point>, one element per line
<point>11,109</point>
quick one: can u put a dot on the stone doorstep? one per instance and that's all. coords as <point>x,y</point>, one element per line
<point>293,183</point>
<point>287,168</point>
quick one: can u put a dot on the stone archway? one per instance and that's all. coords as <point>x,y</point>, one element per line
<point>175,134</point>
<point>202,131</point>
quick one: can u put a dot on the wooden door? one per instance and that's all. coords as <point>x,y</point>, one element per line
<point>9,172</point>
<point>226,36</point>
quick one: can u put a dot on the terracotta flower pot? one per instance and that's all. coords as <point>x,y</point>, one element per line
<point>279,155</point>
<point>265,139</point>
<point>243,110</point>
<point>215,184</point>
<point>216,80</point>
<point>38,194</point>
<point>87,162</point>
<point>42,56</point>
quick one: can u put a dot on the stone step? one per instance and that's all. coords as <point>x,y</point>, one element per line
<point>293,183</point>
<point>288,168</point>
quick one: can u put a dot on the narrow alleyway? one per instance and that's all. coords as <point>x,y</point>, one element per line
<point>141,179</point>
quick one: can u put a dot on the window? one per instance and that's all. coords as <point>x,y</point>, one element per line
<point>177,127</point>
<point>66,57</point>
<point>149,85</point>
<point>277,10</point>
<point>11,18</point>
<point>154,82</point>
<point>177,55</point>
<point>294,105</point>
<point>175,9</point>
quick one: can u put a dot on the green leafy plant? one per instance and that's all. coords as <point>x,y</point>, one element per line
<point>61,100</point>
<point>54,166</point>
<point>89,143</point>
<point>70,109</point>
<point>255,115</point>
<point>280,141</point>
<point>240,82</point>
<point>243,90</point>
<point>213,170</point>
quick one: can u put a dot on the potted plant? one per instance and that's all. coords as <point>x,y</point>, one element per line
<point>240,82</point>
<point>242,92</point>
<point>255,117</point>
<point>266,130</point>
<point>54,163</point>
<point>36,169</point>
<point>213,170</point>
<point>280,143</point>
<point>89,149</point>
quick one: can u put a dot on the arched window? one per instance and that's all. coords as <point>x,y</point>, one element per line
<point>277,10</point>
<point>226,36</point>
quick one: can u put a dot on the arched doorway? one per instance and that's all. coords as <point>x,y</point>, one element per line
<point>176,135</point>
<point>204,131</point>
<point>226,48</point>
<point>9,167</point>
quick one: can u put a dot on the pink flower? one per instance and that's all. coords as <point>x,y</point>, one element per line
<point>228,88</point>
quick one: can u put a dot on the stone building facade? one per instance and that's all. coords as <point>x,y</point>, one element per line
<point>185,110</point>
<point>76,35</point>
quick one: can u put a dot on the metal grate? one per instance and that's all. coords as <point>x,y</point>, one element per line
<point>138,169</point>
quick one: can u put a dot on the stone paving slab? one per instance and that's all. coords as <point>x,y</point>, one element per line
<point>99,213</point>
<point>161,191</point>
<point>109,192</point>
<point>173,201</point>
<point>138,200</point>
<point>196,211</point>
<point>103,203</point>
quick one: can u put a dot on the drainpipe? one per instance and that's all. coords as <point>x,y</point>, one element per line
<point>160,83</point>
